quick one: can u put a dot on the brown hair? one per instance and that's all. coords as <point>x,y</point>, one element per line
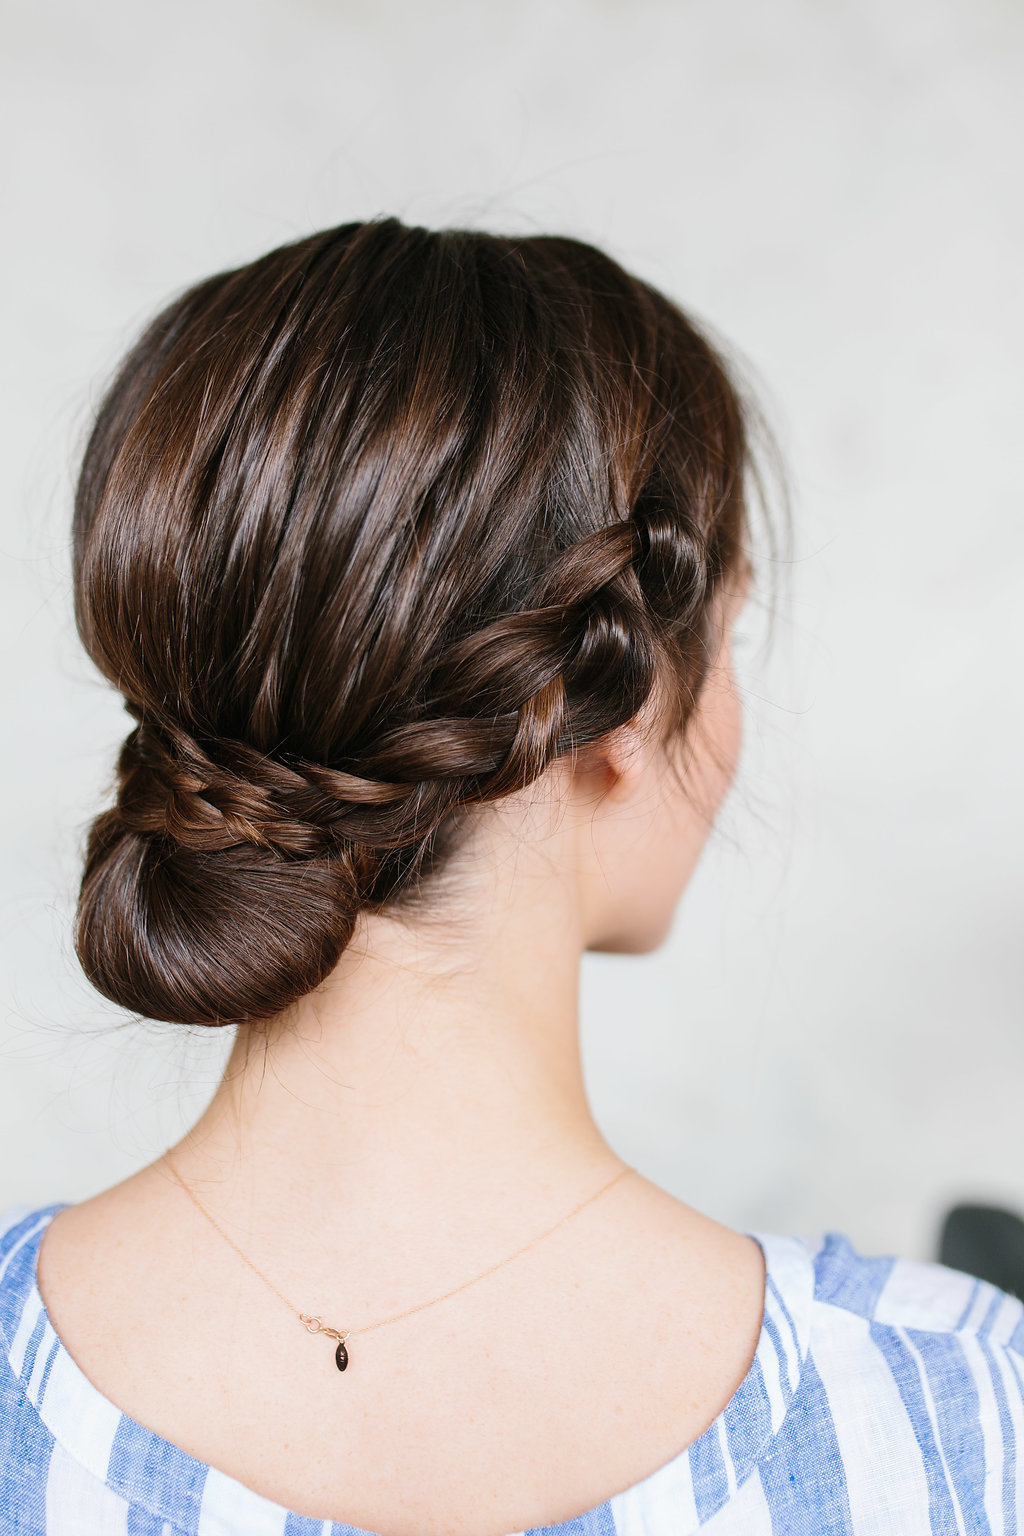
<point>369,530</point>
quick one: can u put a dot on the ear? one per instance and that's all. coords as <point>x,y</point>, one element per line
<point>613,767</point>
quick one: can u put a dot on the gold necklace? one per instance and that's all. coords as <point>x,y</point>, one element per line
<point>317,1324</point>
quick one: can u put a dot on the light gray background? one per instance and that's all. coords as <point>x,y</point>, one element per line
<point>833,1035</point>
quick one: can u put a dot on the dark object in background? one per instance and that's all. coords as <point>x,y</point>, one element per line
<point>986,1241</point>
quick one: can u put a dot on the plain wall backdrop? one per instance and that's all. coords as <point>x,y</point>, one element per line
<point>833,1035</point>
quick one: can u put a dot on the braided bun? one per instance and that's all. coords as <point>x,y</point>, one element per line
<point>369,531</point>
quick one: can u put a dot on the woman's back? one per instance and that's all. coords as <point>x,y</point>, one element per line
<point>883,1397</point>
<point>560,1378</point>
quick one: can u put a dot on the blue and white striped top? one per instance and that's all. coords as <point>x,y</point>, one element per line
<point>886,1398</point>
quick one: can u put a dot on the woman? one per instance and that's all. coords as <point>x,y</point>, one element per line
<point>416,558</point>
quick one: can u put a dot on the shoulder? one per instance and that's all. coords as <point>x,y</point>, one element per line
<point>945,1347</point>
<point>911,1388</point>
<point>946,1343</point>
<point>21,1229</point>
<point>24,1326</point>
<point>906,1296</point>
<point>21,1311</point>
<point>26,1444</point>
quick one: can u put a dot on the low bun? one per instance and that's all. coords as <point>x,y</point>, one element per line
<point>368,531</point>
<point>205,860</point>
<point>208,937</point>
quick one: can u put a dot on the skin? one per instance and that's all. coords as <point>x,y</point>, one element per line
<point>418,1119</point>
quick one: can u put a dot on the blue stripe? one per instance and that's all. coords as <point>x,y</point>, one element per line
<point>596,1522</point>
<point>958,1411</point>
<point>995,1306</point>
<point>1016,1366</point>
<point>965,1314</point>
<point>771,1286</point>
<point>843,1279</point>
<point>47,1368</point>
<point>142,1523</point>
<point>802,1473</point>
<point>19,1277</point>
<point>707,1469</point>
<point>907,1377</point>
<point>173,1481</point>
<point>1015,1369</point>
<point>13,1234</point>
<point>784,1376</point>
<point>25,1460</point>
<point>748,1421</point>
<point>32,1347</point>
<point>1005,1426</point>
<point>1017,1338</point>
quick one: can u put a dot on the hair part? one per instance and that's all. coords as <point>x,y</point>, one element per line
<point>367,531</point>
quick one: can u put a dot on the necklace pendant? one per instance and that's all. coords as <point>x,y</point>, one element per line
<point>341,1356</point>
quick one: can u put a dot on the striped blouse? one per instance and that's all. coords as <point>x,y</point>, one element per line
<point>886,1398</point>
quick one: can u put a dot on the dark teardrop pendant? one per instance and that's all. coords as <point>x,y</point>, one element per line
<point>341,1356</point>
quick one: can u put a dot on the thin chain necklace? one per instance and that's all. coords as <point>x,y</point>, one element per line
<point>342,1335</point>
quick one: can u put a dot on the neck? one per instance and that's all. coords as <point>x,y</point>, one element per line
<point>438,1070</point>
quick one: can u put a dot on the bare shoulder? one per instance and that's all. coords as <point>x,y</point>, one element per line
<point>704,1270</point>
<point>110,1257</point>
<point>96,1234</point>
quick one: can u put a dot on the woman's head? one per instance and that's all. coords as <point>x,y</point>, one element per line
<point>370,532</point>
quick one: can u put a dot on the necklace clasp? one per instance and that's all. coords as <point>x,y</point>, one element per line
<point>317,1325</point>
